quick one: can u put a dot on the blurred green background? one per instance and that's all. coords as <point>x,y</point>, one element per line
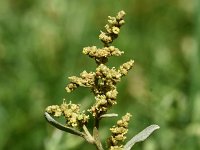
<point>41,45</point>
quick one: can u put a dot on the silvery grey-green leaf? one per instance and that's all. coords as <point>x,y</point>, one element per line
<point>141,136</point>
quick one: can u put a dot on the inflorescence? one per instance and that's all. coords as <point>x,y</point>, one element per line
<point>102,82</point>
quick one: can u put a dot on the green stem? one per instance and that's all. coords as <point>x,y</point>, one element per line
<point>96,123</point>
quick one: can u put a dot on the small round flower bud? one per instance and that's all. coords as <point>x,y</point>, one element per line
<point>115,30</point>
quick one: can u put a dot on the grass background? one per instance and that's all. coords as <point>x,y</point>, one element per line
<point>41,45</point>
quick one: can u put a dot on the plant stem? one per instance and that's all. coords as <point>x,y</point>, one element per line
<point>96,123</point>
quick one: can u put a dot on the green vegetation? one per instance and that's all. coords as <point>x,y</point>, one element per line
<point>40,45</point>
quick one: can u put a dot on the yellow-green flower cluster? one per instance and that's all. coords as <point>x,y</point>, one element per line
<point>103,103</point>
<point>85,80</point>
<point>106,74</point>
<point>118,132</point>
<point>112,28</point>
<point>103,81</point>
<point>103,85</point>
<point>54,110</point>
<point>106,91</point>
<point>124,68</point>
<point>95,52</point>
<point>116,148</point>
<point>71,112</point>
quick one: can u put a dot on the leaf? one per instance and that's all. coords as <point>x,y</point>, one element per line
<point>97,139</point>
<point>141,136</point>
<point>58,125</point>
<point>109,115</point>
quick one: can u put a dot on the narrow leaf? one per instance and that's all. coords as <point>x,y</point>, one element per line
<point>141,136</point>
<point>108,115</point>
<point>88,137</point>
<point>97,139</point>
<point>58,125</point>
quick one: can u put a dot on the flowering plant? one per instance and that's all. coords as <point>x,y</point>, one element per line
<point>102,82</point>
